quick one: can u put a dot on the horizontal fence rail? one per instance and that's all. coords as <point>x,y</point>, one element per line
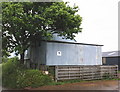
<point>85,72</point>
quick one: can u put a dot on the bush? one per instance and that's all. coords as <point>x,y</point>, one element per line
<point>32,78</point>
<point>15,75</point>
<point>9,72</point>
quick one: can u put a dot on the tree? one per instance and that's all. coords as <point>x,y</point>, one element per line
<point>24,22</point>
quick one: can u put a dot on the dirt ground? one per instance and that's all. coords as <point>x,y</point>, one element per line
<point>96,85</point>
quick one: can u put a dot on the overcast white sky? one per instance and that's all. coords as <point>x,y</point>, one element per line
<point>100,22</point>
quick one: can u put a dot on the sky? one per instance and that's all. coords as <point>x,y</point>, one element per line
<point>99,22</point>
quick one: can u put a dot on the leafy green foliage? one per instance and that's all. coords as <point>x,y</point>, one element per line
<point>9,73</point>
<point>15,75</point>
<point>33,78</point>
<point>26,22</point>
<point>0,74</point>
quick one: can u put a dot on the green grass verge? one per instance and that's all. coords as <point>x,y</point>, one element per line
<point>78,81</point>
<point>0,74</point>
<point>64,82</point>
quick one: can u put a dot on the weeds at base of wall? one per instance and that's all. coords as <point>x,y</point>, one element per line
<point>77,81</point>
<point>108,76</point>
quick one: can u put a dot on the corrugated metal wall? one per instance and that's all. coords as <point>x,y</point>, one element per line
<point>53,53</point>
<point>73,54</point>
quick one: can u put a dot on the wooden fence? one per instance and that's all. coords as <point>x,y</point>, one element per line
<point>85,72</point>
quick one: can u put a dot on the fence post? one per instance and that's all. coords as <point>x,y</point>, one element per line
<point>101,72</point>
<point>56,73</point>
<point>117,71</point>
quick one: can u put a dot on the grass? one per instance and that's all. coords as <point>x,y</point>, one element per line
<point>65,82</point>
<point>70,81</point>
<point>0,74</point>
<point>77,81</point>
<point>111,79</point>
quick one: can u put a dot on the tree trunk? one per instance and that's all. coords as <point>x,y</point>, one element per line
<point>22,58</point>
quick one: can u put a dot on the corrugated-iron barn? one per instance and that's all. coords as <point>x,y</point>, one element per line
<point>64,52</point>
<point>67,59</point>
<point>111,58</point>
